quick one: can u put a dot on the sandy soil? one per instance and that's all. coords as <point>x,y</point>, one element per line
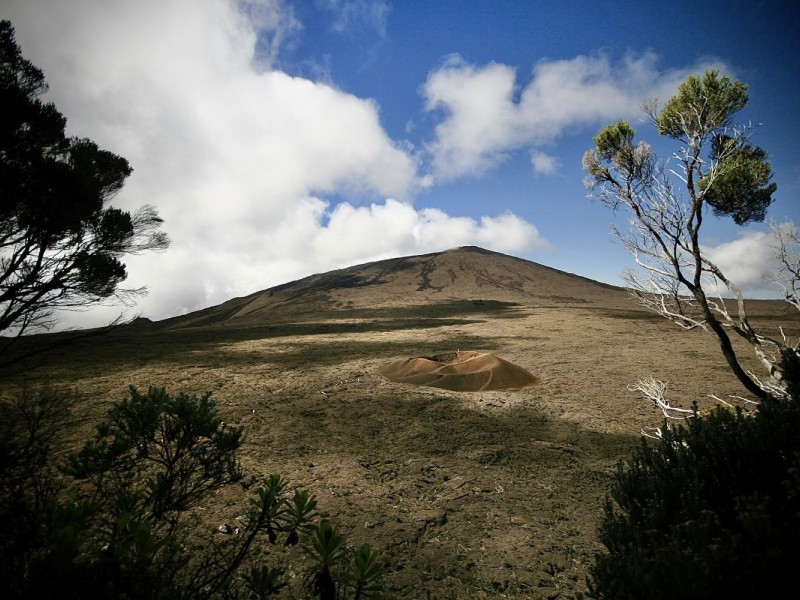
<point>460,371</point>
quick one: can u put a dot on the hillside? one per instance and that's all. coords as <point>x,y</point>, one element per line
<point>466,491</point>
<point>429,283</point>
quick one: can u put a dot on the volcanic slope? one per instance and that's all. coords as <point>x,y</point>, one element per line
<point>464,491</point>
<point>429,284</point>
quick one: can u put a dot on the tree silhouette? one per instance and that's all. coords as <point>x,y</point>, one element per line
<point>61,244</point>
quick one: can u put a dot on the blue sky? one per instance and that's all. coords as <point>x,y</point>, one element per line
<point>280,139</point>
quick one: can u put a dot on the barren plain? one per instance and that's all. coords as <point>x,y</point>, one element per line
<point>465,494</point>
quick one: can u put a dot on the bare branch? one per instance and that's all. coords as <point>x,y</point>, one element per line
<point>786,247</point>
<point>655,391</point>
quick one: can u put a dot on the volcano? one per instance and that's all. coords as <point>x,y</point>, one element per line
<point>465,278</point>
<point>432,290</point>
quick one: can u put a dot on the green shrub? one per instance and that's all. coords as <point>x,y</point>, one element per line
<point>118,519</point>
<point>712,510</point>
<point>32,520</point>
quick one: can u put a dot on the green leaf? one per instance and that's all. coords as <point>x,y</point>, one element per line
<point>741,185</point>
<point>327,544</point>
<point>702,106</point>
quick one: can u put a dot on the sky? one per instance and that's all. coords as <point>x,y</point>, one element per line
<point>280,139</point>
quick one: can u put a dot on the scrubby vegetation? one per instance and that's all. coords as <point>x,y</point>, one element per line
<point>711,510</point>
<point>120,519</point>
<point>62,244</point>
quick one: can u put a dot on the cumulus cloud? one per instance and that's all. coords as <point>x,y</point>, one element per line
<point>396,226</point>
<point>240,159</point>
<point>487,115</point>
<point>249,166</point>
<point>543,164</point>
<point>749,262</point>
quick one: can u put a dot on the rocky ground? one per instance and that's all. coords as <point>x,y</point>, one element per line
<point>478,494</point>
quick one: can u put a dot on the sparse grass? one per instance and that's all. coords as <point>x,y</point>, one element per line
<point>465,495</point>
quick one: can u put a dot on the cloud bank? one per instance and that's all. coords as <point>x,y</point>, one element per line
<point>241,159</point>
<point>263,177</point>
<point>487,114</point>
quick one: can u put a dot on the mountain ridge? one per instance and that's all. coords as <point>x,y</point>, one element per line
<point>464,274</point>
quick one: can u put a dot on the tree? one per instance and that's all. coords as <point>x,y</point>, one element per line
<point>711,508</point>
<point>787,251</point>
<point>60,243</point>
<point>717,169</point>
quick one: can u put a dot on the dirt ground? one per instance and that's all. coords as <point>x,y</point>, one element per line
<point>464,494</point>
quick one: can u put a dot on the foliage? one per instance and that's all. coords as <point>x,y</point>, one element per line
<point>742,187</point>
<point>702,107</point>
<point>711,510</point>
<point>327,547</point>
<point>176,448</point>
<point>119,518</point>
<point>60,243</point>
<point>29,485</point>
<point>366,574</point>
<point>717,169</point>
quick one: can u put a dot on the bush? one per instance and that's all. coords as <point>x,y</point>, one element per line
<point>712,510</point>
<point>118,519</point>
<point>29,485</point>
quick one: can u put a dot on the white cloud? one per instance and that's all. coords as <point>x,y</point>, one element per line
<point>487,115</point>
<point>542,163</point>
<point>480,118</point>
<point>748,262</point>
<point>276,25</point>
<point>386,228</point>
<point>313,240</point>
<point>238,158</point>
<point>353,16</point>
